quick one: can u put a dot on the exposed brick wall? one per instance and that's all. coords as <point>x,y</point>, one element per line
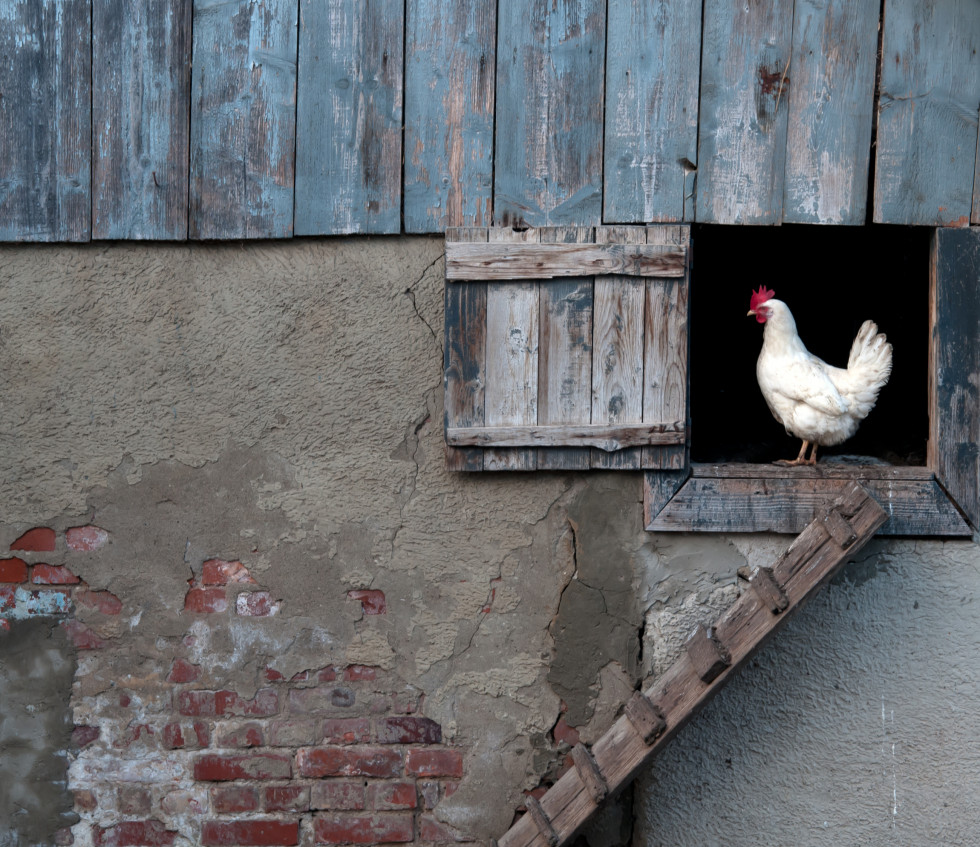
<point>334,755</point>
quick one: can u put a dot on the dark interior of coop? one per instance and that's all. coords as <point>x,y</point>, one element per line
<point>832,278</point>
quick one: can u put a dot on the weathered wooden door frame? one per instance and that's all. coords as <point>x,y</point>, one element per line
<point>940,499</point>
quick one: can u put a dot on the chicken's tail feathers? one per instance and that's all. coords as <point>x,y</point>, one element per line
<point>868,366</point>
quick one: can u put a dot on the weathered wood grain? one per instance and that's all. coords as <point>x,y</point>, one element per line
<point>512,360</point>
<point>548,146</point>
<point>680,693</point>
<point>831,111</point>
<point>497,262</point>
<point>975,217</point>
<point>658,490</point>
<point>954,366</point>
<point>707,655</point>
<point>745,86</point>
<point>565,354</point>
<point>822,470</point>
<point>243,119</point>
<point>589,773</point>
<point>914,507</point>
<point>45,120</point>
<point>141,77</point>
<point>665,351</point>
<point>449,107</point>
<point>349,117</point>
<point>768,590</point>
<point>606,437</point>
<point>617,351</point>
<point>927,113</point>
<point>465,358</point>
<point>651,133</point>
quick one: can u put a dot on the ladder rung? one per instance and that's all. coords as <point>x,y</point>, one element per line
<point>589,773</point>
<point>646,718</point>
<point>769,591</point>
<point>541,820</point>
<point>707,656</point>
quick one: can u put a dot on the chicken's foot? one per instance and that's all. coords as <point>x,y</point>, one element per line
<point>801,459</point>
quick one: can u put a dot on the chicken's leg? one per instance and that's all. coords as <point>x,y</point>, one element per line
<point>801,459</point>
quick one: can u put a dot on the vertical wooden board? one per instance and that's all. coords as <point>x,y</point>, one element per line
<point>349,115</point>
<point>449,96</point>
<point>954,373</point>
<point>665,353</point>
<point>141,72</point>
<point>45,120</point>
<point>745,82</point>
<point>831,109</point>
<point>975,217</point>
<point>565,354</point>
<point>465,357</point>
<point>617,351</point>
<point>651,133</point>
<point>243,119</point>
<point>512,360</point>
<point>548,147</point>
<point>927,113</point>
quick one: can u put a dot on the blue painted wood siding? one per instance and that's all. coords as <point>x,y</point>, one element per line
<point>230,119</point>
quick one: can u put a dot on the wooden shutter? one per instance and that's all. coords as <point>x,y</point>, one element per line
<point>566,348</point>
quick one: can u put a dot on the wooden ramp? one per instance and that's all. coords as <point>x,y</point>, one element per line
<point>653,717</point>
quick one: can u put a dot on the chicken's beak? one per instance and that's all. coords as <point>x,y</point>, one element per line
<point>750,312</point>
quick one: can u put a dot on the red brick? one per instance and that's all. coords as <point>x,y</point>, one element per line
<point>272,675</point>
<point>202,733</point>
<point>409,730</point>
<point>292,733</point>
<point>431,792</point>
<point>173,736</point>
<point>216,768</point>
<point>287,798</point>
<point>13,570</point>
<point>205,600</point>
<point>37,540</point>
<point>133,834</point>
<point>434,763</point>
<point>326,674</point>
<point>251,833</point>
<point>372,601</point>
<point>264,704</point>
<point>82,736</point>
<point>338,796</point>
<point>8,598</point>
<point>246,735</point>
<point>431,829</point>
<point>386,796</point>
<point>85,801</point>
<point>346,731</point>
<point>564,733</point>
<point>360,673</point>
<point>183,671</point>
<point>81,636</point>
<point>133,802</point>
<point>256,604</point>
<point>364,829</point>
<point>102,601</point>
<point>220,572</point>
<point>378,762</point>
<point>229,799</point>
<point>196,703</point>
<point>84,539</point>
<point>323,698</point>
<point>42,574</point>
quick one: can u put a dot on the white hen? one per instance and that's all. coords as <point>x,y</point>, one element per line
<point>816,402</point>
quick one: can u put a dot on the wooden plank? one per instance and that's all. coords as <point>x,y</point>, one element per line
<point>589,773</point>
<point>449,105</point>
<point>45,121</point>
<point>349,116</point>
<point>512,360</point>
<point>915,507</point>
<point>954,366</point>
<point>839,529</point>
<point>465,357</point>
<point>768,590</point>
<point>617,351</point>
<point>565,355</point>
<point>680,694</point>
<point>651,133</point>
<point>975,217</point>
<point>606,437</point>
<point>707,655</point>
<point>498,262</point>
<point>647,719</point>
<point>541,821</point>
<point>825,469</point>
<point>658,490</point>
<point>831,111</point>
<point>665,352</point>
<point>927,113</point>
<point>745,77</point>
<point>548,147</point>
<point>141,76</point>
<point>243,119</point>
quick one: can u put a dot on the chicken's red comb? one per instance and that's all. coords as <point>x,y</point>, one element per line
<point>759,297</point>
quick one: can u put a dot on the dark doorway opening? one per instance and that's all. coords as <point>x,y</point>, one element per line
<point>832,278</point>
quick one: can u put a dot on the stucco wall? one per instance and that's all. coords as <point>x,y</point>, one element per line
<point>279,406</point>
